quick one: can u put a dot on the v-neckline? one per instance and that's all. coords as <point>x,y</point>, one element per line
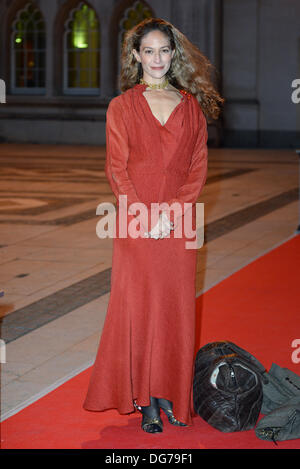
<point>143,87</point>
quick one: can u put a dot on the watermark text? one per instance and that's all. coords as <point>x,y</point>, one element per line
<point>296,93</point>
<point>2,351</point>
<point>139,221</point>
<point>296,352</point>
<point>2,92</point>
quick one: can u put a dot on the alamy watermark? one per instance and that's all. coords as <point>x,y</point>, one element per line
<point>2,351</point>
<point>296,352</point>
<point>296,93</point>
<point>134,221</point>
<point>2,92</point>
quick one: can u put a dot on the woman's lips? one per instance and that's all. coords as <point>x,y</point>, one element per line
<point>157,68</point>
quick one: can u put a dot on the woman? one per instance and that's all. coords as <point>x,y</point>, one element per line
<point>156,141</point>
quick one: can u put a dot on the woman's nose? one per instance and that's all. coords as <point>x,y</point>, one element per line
<point>157,57</point>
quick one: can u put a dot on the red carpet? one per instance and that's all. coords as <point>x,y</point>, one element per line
<point>257,308</point>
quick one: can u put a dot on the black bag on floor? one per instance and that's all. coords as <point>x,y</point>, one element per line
<point>227,386</point>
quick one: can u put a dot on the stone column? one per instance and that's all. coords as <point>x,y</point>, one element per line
<point>240,43</point>
<point>49,16</point>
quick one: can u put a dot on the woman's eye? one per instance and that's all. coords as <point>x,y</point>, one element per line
<point>150,51</point>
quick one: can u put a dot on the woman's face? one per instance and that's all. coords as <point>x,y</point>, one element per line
<point>155,56</point>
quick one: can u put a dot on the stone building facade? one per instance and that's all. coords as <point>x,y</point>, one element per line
<point>60,60</point>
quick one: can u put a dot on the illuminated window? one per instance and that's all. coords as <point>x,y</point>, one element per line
<point>28,44</point>
<point>82,52</point>
<point>131,17</point>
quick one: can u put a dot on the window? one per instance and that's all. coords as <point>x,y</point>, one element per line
<point>81,52</point>
<point>131,17</point>
<point>28,46</point>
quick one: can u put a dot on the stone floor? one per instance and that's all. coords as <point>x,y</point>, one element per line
<point>55,271</point>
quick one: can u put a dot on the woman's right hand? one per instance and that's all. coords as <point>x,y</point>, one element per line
<point>162,228</point>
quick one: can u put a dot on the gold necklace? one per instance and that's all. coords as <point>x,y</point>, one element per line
<point>155,86</point>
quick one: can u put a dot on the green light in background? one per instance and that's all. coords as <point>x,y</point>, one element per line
<point>79,44</point>
<point>18,40</point>
<point>20,28</point>
<point>80,33</point>
<point>82,42</point>
<point>82,20</point>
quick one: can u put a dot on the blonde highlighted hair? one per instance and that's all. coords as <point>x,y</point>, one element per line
<point>189,70</point>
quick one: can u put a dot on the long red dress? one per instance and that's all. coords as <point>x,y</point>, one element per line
<point>148,339</point>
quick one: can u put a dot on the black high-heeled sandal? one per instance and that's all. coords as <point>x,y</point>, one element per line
<point>167,407</point>
<point>151,421</point>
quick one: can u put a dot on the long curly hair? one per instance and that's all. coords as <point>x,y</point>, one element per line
<point>189,70</point>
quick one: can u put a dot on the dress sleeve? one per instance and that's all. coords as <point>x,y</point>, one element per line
<point>117,154</point>
<point>191,189</point>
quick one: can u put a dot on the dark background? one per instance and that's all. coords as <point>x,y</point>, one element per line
<point>254,45</point>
